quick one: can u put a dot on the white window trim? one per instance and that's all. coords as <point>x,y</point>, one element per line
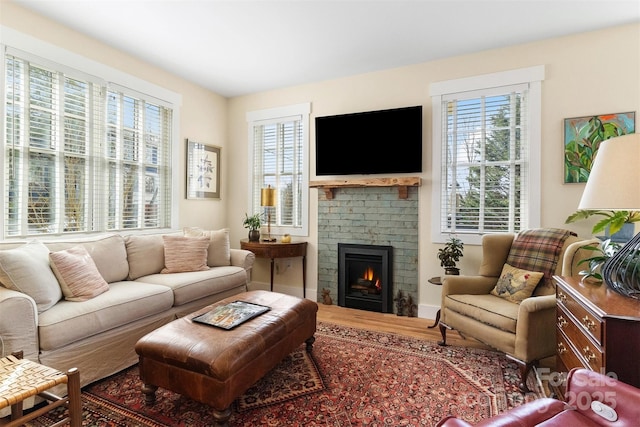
<point>31,45</point>
<point>533,76</point>
<point>275,114</point>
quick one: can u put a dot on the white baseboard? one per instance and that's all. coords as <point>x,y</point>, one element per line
<point>428,311</point>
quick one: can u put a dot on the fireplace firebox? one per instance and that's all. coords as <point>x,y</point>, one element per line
<point>365,279</point>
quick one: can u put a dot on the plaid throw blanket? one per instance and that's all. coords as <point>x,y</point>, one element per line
<point>538,250</point>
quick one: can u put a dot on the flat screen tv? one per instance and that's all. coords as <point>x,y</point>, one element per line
<point>372,142</point>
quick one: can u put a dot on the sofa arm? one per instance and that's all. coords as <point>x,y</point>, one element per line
<point>530,414</point>
<point>18,324</point>
<point>452,421</point>
<point>473,285</point>
<point>575,253</point>
<point>536,328</point>
<point>585,386</point>
<point>242,258</point>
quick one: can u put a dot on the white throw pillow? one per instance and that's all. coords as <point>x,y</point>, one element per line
<point>145,255</point>
<point>77,273</point>
<point>26,269</point>
<point>219,252</point>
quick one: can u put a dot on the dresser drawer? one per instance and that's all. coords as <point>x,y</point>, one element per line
<point>590,353</point>
<point>566,354</point>
<point>591,324</point>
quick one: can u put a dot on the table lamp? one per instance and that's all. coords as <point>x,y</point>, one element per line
<point>614,184</point>
<point>268,201</point>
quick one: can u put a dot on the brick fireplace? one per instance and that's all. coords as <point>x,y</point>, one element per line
<point>369,216</point>
<point>365,277</point>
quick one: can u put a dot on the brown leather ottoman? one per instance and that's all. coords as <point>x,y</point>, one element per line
<point>215,366</point>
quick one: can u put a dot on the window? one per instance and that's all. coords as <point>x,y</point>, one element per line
<point>278,140</point>
<point>80,154</point>
<point>486,154</point>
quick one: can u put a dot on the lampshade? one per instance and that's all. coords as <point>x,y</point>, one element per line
<point>614,184</point>
<point>268,196</point>
<point>614,180</point>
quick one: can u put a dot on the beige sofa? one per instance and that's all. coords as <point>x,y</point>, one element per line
<point>97,335</point>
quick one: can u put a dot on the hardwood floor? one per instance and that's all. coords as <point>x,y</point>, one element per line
<point>387,322</point>
<point>409,326</point>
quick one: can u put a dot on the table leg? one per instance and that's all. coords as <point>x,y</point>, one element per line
<point>272,265</point>
<point>304,276</point>
<point>73,394</point>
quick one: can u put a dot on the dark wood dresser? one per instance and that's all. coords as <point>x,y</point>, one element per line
<point>598,329</point>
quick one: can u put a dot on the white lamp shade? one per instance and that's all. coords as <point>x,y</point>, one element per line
<point>614,180</point>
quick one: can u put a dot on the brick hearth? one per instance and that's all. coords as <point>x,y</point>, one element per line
<point>370,216</point>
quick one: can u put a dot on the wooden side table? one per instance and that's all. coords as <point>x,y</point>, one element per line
<point>21,378</point>
<point>273,250</point>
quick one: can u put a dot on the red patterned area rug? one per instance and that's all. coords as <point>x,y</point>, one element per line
<point>354,377</point>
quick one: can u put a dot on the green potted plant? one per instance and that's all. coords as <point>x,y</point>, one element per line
<point>605,250</point>
<point>612,223</point>
<point>450,255</point>
<point>253,223</point>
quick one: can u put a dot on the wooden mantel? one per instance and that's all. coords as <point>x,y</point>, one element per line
<point>403,184</point>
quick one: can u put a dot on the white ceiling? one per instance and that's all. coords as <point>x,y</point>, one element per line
<point>240,47</point>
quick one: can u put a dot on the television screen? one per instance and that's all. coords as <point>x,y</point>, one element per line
<point>372,142</point>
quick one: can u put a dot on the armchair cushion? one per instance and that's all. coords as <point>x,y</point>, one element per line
<point>486,309</point>
<point>516,284</point>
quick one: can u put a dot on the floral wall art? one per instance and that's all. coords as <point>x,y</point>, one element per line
<point>582,137</point>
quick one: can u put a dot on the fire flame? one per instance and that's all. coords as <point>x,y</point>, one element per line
<point>369,275</point>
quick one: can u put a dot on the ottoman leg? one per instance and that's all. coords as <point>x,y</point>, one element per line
<point>221,418</point>
<point>310,342</point>
<point>149,391</point>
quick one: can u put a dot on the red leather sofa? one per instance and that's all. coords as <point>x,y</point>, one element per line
<point>591,399</point>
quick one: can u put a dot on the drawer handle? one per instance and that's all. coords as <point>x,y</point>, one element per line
<point>590,355</point>
<point>561,348</point>
<point>588,323</point>
<point>562,297</point>
<point>562,322</point>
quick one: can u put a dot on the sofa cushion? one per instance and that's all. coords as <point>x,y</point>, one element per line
<point>125,302</point>
<point>191,286</point>
<point>145,255</point>
<point>26,269</point>
<point>107,251</point>
<point>219,251</point>
<point>487,309</point>
<point>77,274</point>
<point>183,254</point>
<point>516,284</point>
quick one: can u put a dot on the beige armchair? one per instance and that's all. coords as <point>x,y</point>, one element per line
<point>524,331</point>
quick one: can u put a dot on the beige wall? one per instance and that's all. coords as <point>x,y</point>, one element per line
<point>203,113</point>
<point>590,73</point>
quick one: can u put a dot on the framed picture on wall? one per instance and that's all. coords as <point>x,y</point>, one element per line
<point>203,171</point>
<point>582,137</point>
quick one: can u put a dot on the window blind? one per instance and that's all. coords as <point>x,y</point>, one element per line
<point>278,162</point>
<point>485,161</point>
<point>78,157</point>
